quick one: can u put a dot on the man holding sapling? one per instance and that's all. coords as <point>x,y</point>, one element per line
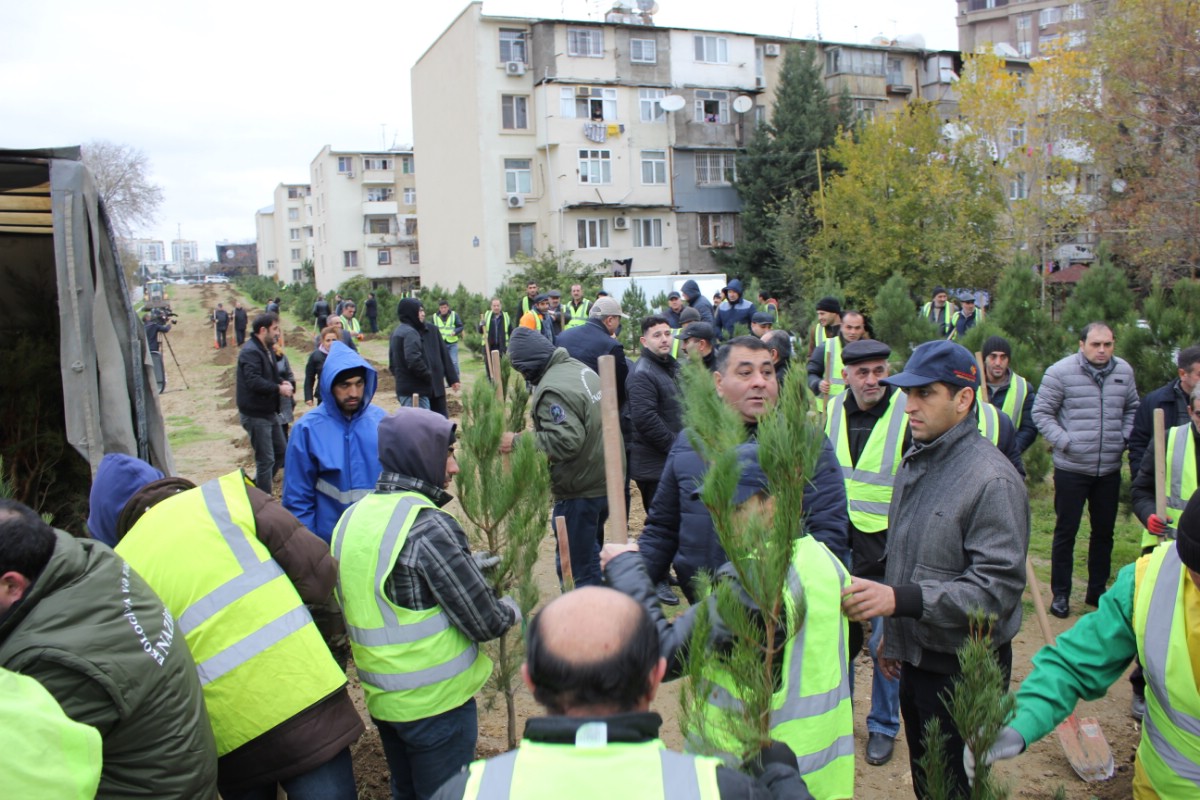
<point>593,663</point>
<point>958,536</point>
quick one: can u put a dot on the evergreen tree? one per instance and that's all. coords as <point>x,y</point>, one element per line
<point>1172,322</point>
<point>896,321</point>
<point>633,303</point>
<point>1102,295</point>
<point>781,161</point>
<point>504,501</point>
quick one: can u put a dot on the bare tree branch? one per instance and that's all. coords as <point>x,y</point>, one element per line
<point>122,178</point>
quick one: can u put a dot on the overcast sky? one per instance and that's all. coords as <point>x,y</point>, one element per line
<point>229,98</point>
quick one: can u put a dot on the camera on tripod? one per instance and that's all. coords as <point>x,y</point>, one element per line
<point>164,314</point>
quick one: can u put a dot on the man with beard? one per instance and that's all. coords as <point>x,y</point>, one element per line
<point>259,388</point>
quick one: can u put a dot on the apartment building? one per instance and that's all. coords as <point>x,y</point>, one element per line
<point>148,251</point>
<point>364,218</point>
<point>1023,28</point>
<point>185,251</point>
<point>617,140</point>
<point>284,233</point>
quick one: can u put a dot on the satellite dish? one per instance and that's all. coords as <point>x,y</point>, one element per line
<point>672,102</point>
<point>647,6</point>
<point>743,103</point>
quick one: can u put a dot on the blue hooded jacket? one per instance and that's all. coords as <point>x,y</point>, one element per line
<point>118,478</point>
<point>333,461</point>
<point>739,313</point>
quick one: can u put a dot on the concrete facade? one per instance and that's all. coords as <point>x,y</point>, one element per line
<point>1023,28</point>
<point>284,232</point>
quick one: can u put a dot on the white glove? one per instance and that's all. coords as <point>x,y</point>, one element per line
<point>516,609</point>
<point>485,560</point>
<point>1009,744</point>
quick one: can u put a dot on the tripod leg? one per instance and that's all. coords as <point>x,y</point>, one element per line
<point>176,360</point>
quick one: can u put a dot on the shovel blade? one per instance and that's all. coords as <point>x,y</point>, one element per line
<point>1086,748</point>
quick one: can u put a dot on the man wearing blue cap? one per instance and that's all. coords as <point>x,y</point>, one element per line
<point>958,536</point>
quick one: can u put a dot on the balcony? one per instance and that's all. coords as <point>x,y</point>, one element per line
<point>391,240</point>
<point>899,88</point>
<point>387,176</point>
<point>378,207</point>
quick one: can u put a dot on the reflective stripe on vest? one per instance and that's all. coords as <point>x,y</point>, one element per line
<point>816,724</point>
<point>988,422</point>
<point>819,336</point>
<point>1014,398</point>
<point>338,495</point>
<point>446,327</point>
<point>837,384</point>
<point>537,770</point>
<point>487,327</point>
<point>412,664</point>
<point>675,343</point>
<point>1180,476</point>
<point>869,482</point>
<point>956,316</point>
<point>578,315</point>
<point>350,325</point>
<point>1169,751</point>
<point>259,656</point>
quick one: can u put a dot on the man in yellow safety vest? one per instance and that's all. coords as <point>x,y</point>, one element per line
<point>450,327</point>
<point>592,661</point>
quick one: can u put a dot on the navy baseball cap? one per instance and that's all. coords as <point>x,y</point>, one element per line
<point>763,318</point>
<point>697,330</point>
<point>933,362</point>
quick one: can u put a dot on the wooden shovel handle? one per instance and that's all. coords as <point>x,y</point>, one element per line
<point>1160,463</point>
<point>614,451</point>
<point>1039,604</point>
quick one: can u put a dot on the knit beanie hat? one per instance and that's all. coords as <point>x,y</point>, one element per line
<point>1187,536</point>
<point>829,304</point>
<point>996,344</point>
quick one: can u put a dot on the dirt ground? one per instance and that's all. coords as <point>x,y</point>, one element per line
<point>208,441</point>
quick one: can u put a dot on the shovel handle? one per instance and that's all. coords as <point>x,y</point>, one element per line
<point>614,451</point>
<point>1039,604</point>
<point>1160,463</point>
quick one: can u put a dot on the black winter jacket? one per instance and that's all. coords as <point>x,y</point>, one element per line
<point>655,414</point>
<point>257,381</point>
<point>1174,403</point>
<point>591,340</point>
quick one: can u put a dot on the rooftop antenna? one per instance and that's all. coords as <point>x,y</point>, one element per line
<point>383,135</point>
<point>817,8</point>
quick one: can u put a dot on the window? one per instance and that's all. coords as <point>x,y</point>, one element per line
<point>588,42</point>
<point>1024,21</point>
<point>385,256</point>
<point>1048,44</point>
<point>410,196</point>
<point>345,164</point>
<point>1016,136</point>
<point>1074,12</point>
<point>295,254</point>
<point>716,230</point>
<point>380,194</point>
<point>716,168</point>
<point>293,213</point>
<point>654,167</point>
<point>649,108</point>
<point>1025,49</point>
<point>520,238</point>
<point>377,163</point>
<point>595,166</point>
<point>1076,39</point>
<point>593,233</point>
<point>407,166</point>
<point>379,225</point>
<point>1049,16</point>
<point>413,258</point>
<point>1016,187</point>
<point>643,51</point>
<point>270,265</point>
<point>588,102</point>
<point>854,62</point>
<point>512,45</point>
<point>295,192</point>
<point>514,112</point>
<point>864,110</point>
<point>298,276</point>
<point>410,226</point>
<point>712,49</point>
<point>647,233</point>
<point>1091,183</point>
<point>294,234</point>
<point>518,175</point>
<point>712,106</point>
<point>895,71</point>
<point>349,258</point>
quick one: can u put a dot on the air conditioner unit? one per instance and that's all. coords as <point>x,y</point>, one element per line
<point>349,173</point>
<point>771,50</point>
<point>620,223</point>
<point>515,201</point>
<point>514,68</point>
<point>583,91</point>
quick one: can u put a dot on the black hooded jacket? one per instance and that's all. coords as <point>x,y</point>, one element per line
<point>417,357</point>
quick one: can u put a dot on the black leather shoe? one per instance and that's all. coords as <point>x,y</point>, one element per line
<point>665,595</point>
<point>1061,607</point>
<point>879,749</point>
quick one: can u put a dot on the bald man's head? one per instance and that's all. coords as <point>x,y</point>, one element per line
<point>593,652</point>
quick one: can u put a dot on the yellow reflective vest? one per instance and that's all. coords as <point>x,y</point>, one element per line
<point>351,325</point>
<point>1014,399</point>
<point>834,366</point>
<point>1168,755</point>
<point>260,657</point>
<point>43,752</point>
<point>412,664</point>
<point>869,482</point>
<point>579,315</point>
<point>446,327</point>
<point>811,711</point>
<point>539,771</point>
<point>1180,475</point>
<point>989,422</point>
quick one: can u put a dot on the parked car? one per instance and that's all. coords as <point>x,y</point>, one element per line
<point>215,279</point>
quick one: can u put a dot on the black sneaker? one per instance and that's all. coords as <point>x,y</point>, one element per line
<point>1061,607</point>
<point>879,748</point>
<point>665,595</point>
